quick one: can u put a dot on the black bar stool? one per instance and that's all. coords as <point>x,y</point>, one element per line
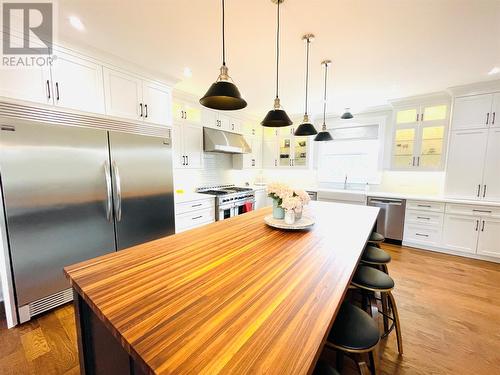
<point>376,239</point>
<point>377,257</point>
<point>369,279</point>
<point>353,332</point>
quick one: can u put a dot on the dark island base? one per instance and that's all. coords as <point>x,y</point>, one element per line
<point>99,351</point>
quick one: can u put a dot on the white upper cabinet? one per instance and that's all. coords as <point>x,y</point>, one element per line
<point>464,174</point>
<point>472,112</point>
<point>252,160</point>
<point>495,111</point>
<point>77,84</point>
<point>123,93</point>
<point>131,97</point>
<point>222,121</point>
<point>31,84</point>
<point>157,101</point>
<point>491,179</point>
<point>186,111</point>
<point>192,140</point>
<point>419,140</point>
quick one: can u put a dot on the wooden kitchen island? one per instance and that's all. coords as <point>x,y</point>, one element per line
<point>232,297</point>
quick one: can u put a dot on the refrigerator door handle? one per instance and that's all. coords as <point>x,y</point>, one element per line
<point>118,196</point>
<point>109,193</point>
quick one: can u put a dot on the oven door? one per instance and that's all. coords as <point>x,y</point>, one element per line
<point>244,207</point>
<point>225,212</point>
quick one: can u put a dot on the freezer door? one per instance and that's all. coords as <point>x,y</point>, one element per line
<point>57,198</point>
<point>143,188</point>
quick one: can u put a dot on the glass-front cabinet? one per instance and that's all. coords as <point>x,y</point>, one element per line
<point>420,135</point>
<point>292,151</point>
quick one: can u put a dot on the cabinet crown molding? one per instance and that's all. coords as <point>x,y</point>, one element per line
<point>475,88</point>
<point>419,99</point>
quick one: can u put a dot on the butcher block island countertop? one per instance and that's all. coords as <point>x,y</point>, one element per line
<point>232,297</point>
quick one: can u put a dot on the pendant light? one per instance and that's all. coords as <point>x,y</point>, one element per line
<point>347,115</point>
<point>306,128</point>
<point>324,135</point>
<point>277,117</point>
<point>223,94</point>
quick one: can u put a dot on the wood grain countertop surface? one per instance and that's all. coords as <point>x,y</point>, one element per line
<point>232,297</point>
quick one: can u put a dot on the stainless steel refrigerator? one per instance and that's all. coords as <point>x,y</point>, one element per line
<point>72,193</point>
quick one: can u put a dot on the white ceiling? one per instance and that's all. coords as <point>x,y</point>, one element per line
<point>381,49</point>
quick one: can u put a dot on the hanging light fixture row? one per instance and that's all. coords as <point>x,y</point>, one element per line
<point>223,94</point>
<point>306,128</point>
<point>277,117</point>
<point>347,115</point>
<point>324,135</point>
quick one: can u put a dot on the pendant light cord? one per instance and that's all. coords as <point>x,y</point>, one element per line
<point>324,102</point>
<point>278,51</point>
<point>307,70</point>
<point>223,37</point>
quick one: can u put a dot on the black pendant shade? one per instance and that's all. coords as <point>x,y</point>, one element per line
<point>305,129</point>
<point>324,135</point>
<point>347,115</point>
<point>276,118</point>
<point>223,94</point>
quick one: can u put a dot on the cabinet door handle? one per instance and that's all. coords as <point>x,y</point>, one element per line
<point>477,225</point>
<point>478,190</point>
<point>423,217</point>
<point>183,160</point>
<point>413,162</point>
<point>421,235</point>
<point>418,161</point>
<point>417,117</point>
<point>482,227</point>
<point>197,205</point>
<point>493,120</point>
<point>196,217</point>
<point>146,109</point>
<point>187,159</point>
<point>487,118</point>
<point>232,126</point>
<point>424,205</point>
<point>275,162</point>
<point>140,106</point>
<point>57,91</point>
<point>482,211</point>
<point>48,89</point>
<point>484,191</point>
<point>421,117</point>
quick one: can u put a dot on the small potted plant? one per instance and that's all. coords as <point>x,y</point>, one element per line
<point>278,192</point>
<point>304,199</point>
<point>291,205</point>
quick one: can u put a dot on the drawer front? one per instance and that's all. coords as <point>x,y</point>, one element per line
<point>425,206</point>
<point>472,210</point>
<point>181,208</point>
<point>423,234</point>
<point>424,218</point>
<point>193,219</point>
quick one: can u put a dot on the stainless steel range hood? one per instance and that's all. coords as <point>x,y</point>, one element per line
<point>215,140</point>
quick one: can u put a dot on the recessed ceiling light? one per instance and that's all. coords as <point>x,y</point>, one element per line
<point>187,72</point>
<point>495,70</point>
<point>76,23</point>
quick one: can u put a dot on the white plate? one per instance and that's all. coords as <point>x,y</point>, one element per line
<point>303,223</point>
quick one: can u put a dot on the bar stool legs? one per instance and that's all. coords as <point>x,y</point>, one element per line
<point>395,314</point>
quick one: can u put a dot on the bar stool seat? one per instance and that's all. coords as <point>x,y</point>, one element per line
<point>375,255</point>
<point>353,330</point>
<point>373,279</point>
<point>324,368</point>
<point>376,238</point>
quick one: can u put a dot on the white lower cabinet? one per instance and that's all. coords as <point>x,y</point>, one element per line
<point>460,233</point>
<point>261,200</point>
<point>193,214</point>
<point>459,228</point>
<point>489,237</point>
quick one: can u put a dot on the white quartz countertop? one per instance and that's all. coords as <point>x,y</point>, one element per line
<point>408,196</point>
<point>191,196</point>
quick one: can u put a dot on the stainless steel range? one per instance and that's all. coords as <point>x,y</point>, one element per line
<point>230,200</point>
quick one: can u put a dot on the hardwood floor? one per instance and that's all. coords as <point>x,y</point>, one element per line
<point>449,309</point>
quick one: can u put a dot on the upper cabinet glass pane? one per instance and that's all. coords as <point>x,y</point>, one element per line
<point>406,116</point>
<point>436,112</point>
<point>285,149</point>
<point>300,150</point>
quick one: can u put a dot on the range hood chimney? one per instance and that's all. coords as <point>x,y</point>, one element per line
<point>215,140</point>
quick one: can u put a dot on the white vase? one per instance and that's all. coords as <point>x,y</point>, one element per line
<point>289,217</point>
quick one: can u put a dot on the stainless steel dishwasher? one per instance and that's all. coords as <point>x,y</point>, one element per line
<point>391,218</point>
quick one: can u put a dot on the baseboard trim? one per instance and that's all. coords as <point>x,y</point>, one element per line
<point>451,252</point>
